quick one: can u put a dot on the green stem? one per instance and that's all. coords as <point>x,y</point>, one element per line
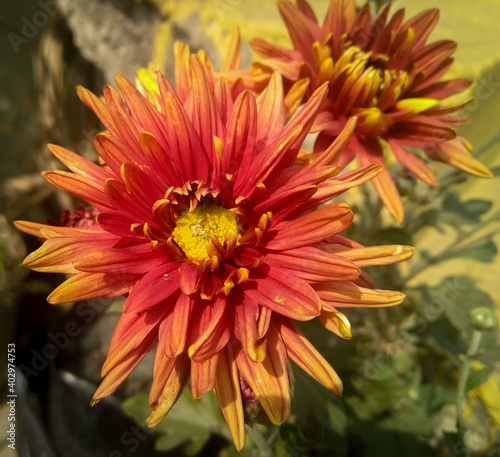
<point>485,145</point>
<point>258,438</point>
<point>464,376</point>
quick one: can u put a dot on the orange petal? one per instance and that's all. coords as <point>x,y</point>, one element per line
<point>175,327</point>
<point>344,294</point>
<point>271,109</point>
<point>80,187</point>
<point>163,366</point>
<point>157,156</point>
<point>173,388</point>
<point>122,369</point>
<point>331,156</point>
<point>336,322</point>
<point>80,165</point>
<point>57,254</point>
<point>97,106</point>
<point>294,96</point>
<point>246,314</point>
<point>334,187</point>
<point>376,255</point>
<point>456,153</point>
<point>372,153</point>
<point>269,378</point>
<point>227,389</point>
<point>126,202</point>
<point>91,285</point>
<point>232,59</point>
<point>203,375</point>
<point>411,162</point>
<point>305,355</point>
<point>303,32</point>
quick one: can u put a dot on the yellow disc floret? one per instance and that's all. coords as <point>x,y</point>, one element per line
<point>194,229</point>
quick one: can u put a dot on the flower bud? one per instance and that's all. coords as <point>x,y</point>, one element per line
<point>482,318</point>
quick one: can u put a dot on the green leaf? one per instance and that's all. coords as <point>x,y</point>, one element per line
<point>484,252</point>
<point>189,423</point>
<point>377,395</point>
<point>411,419</point>
<point>495,171</point>
<point>434,397</point>
<point>478,378</point>
<point>392,235</point>
<point>456,296</point>
<point>456,212</point>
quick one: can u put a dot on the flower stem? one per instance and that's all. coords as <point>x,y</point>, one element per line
<point>485,145</point>
<point>464,376</point>
<point>258,438</point>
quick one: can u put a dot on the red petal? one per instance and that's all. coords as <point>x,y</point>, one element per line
<point>311,228</point>
<point>213,331</point>
<point>190,277</point>
<point>312,264</point>
<point>282,292</point>
<point>271,109</point>
<point>204,117</point>
<point>129,335</point>
<point>129,259</point>
<point>241,134</point>
<point>157,285</point>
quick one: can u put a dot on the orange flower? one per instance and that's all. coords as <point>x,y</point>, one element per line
<point>214,235</point>
<point>384,73</point>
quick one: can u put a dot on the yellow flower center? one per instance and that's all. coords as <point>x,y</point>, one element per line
<point>194,229</point>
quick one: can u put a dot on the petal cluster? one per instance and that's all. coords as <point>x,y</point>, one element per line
<point>213,233</point>
<point>383,71</point>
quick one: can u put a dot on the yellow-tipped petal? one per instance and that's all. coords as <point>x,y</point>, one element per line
<point>227,389</point>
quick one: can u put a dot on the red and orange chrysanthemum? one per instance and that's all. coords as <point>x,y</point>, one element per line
<point>214,235</point>
<point>381,71</point>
